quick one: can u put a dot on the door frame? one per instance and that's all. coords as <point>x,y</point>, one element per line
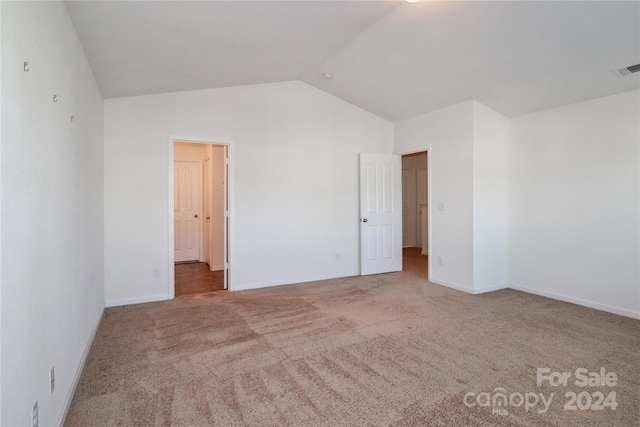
<point>429,150</point>
<point>229,231</point>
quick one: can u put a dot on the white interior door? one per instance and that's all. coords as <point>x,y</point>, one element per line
<point>187,206</point>
<point>380,213</point>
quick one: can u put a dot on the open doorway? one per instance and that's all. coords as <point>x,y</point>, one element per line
<point>200,217</point>
<point>415,211</point>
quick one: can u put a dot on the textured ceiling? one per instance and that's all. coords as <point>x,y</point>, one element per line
<point>394,59</point>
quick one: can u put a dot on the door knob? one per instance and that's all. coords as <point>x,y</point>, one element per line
<point>195,216</point>
<point>365,220</point>
<point>208,217</point>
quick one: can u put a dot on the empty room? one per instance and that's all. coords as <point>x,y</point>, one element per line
<point>319,213</point>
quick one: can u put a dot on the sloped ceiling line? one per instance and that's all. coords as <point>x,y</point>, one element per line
<point>394,59</point>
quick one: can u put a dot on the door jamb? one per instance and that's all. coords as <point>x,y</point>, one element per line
<point>171,285</point>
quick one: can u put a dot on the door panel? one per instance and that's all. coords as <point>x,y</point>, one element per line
<point>187,205</point>
<point>380,213</point>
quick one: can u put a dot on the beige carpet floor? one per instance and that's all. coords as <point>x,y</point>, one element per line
<point>390,350</point>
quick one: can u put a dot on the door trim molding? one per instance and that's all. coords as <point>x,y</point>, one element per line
<point>171,140</point>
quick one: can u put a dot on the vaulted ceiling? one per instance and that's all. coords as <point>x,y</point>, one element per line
<point>394,59</point>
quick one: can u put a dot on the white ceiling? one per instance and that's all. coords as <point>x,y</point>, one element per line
<point>394,59</point>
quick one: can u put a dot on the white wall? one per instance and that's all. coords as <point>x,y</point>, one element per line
<point>52,232</point>
<point>1,32</point>
<point>467,145</point>
<point>490,199</point>
<point>294,187</point>
<point>447,134</point>
<point>574,203</point>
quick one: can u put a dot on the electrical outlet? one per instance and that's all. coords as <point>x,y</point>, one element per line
<point>52,380</point>
<point>34,415</point>
<point>156,273</point>
<point>440,261</point>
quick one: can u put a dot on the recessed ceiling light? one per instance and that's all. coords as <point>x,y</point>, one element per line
<point>327,76</point>
<point>412,1</point>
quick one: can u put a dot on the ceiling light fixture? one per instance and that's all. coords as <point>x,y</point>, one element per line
<point>327,76</point>
<point>412,1</point>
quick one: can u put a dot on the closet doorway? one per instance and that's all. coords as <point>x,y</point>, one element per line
<point>415,211</point>
<point>200,217</point>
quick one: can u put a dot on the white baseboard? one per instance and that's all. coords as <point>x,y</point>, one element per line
<point>492,288</point>
<point>468,289</point>
<point>246,287</point>
<point>78,374</point>
<point>216,267</point>
<point>452,285</point>
<point>139,300</point>
<point>579,301</point>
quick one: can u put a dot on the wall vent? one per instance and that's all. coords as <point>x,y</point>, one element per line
<point>627,70</point>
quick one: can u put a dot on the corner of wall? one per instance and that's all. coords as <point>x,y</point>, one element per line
<point>78,373</point>
<point>574,203</point>
<point>1,423</point>
<point>490,199</point>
